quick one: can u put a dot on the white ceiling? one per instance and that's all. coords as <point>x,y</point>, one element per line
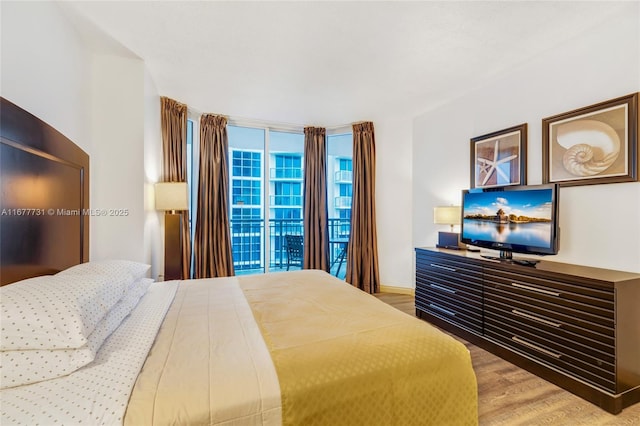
<point>329,63</point>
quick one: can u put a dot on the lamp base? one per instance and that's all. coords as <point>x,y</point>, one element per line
<point>449,240</point>
<point>172,244</point>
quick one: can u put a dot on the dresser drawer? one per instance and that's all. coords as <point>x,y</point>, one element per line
<point>563,291</point>
<point>567,327</point>
<point>550,324</point>
<point>555,352</point>
<point>465,315</point>
<point>449,263</point>
<point>449,289</point>
<point>597,324</point>
<point>449,285</point>
<point>586,308</point>
<point>461,276</point>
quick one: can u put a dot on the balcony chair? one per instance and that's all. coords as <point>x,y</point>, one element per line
<point>293,246</point>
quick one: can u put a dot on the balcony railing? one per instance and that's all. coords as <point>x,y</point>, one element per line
<point>248,242</point>
<point>342,202</point>
<point>285,173</point>
<point>285,200</point>
<point>343,176</point>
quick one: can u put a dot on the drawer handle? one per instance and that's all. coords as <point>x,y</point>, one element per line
<point>535,318</point>
<point>439,287</point>
<point>534,347</point>
<point>438,308</point>
<point>537,290</point>
<point>446,268</point>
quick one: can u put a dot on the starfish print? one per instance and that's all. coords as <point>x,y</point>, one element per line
<point>488,166</point>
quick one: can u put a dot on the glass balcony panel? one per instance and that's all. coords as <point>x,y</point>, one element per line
<point>247,244</point>
<point>286,174</point>
<point>342,202</point>
<point>344,176</point>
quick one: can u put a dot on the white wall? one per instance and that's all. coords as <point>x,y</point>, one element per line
<point>393,200</point>
<point>117,177</point>
<point>153,239</point>
<point>106,104</point>
<point>46,68</point>
<point>599,223</point>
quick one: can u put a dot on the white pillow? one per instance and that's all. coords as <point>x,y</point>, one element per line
<point>21,367</point>
<point>57,311</point>
<point>136,269</point>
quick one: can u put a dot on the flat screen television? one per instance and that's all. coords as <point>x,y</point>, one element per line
<point>520,219</point>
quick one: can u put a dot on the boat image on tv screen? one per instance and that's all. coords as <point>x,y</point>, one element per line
<point>509,218</point>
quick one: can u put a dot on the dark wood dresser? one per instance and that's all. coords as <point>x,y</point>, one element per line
<point>575,326</point>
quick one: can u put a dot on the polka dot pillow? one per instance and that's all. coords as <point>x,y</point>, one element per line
<point>21,367</point>
<point>109,267</point>
<point>57,311</point>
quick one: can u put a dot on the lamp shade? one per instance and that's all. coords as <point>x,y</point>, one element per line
<point>171,196</point>
<point>446,215</point>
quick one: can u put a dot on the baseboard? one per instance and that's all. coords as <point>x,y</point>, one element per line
<point>397,290</point>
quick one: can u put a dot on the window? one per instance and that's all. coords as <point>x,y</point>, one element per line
<point>346,164</point>
<point>247,186</point>
<point>339,189</point>
<point>192,182</point>
<point>345,190</point>
<point>266,170</point>
<point>287,167</point>
<point>246,163</point>
<point>287,194</point>
<point>246,192</point>
<point>288,214</point>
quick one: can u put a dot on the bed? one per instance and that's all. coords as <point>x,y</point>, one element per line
<point>299,347</point>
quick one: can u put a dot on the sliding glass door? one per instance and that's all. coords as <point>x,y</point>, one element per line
<point>339,190</point>
<point>286,160</point>
<point>266,196</point>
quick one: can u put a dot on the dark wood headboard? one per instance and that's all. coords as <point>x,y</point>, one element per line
<point>44,197</point>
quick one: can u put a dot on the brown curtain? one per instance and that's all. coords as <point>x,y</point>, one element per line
<point>212,245</point>
<point>316,228</point>
<point>362,252</point>
<point>173,118</point>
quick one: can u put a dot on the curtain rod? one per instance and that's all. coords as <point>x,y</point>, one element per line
<point>275,125</point>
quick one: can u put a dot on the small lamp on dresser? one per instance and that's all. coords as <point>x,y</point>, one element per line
<point>172,197</point>
<point>447,215</point>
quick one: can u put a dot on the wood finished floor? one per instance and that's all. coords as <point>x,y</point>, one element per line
<point>509,395</point>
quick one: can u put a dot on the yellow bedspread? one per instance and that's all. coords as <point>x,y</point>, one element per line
<point>345,358</point>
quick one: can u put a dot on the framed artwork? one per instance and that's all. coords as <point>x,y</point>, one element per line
<point>591,145</point>
<point>499,158</point>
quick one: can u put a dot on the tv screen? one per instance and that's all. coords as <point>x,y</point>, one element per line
<point>522,219</point>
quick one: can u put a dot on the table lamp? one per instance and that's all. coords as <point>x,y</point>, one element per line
<point>447,215</point>
<point>172,197</point>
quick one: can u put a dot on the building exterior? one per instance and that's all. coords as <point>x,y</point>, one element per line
<point>255,233</point>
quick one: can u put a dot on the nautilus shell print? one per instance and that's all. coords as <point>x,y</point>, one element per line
<point>592,146</point>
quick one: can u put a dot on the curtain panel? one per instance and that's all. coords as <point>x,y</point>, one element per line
<point>212,245</point>
<point>362,251</point>
<point>316,224</point>
<point>173,119</point>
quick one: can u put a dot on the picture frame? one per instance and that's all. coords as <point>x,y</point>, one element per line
<point>499,158</point>
<point>596,144</point>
